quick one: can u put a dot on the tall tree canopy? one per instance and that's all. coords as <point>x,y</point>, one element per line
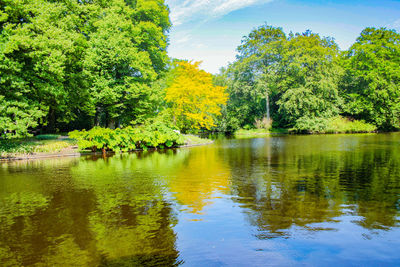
<point>251,80</point>
<point>297,75</point>
<point>310,75</point>
<point>372,82</point>
<point>61,61</point>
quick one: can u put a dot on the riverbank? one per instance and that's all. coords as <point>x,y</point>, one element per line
<point>62,146</point>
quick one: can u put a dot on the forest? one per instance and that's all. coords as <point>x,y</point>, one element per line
<point>78,64</point>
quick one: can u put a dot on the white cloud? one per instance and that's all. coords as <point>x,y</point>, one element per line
<point>182,39</point>
<point>195,10</point>
<point>394,25</point>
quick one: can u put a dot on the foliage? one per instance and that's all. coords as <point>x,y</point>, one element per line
<point>311,75</point>
<point>193,99</point>
<point>61,61</point>
<point>125,55</point>
<point>263,123</point>
<point>332,125</point>
<point>292,76</point>
<point>372,84</point>
<point>344,125</point>
<point>17,117</point>
<point>306,83</point>
<point>251,80</point>
<point>128,139</point>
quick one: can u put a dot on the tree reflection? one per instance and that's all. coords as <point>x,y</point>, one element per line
<point>301,180</point>
<point>199,177</point>
<point>106,212</point>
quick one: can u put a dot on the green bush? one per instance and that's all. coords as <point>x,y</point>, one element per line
<point>336,124</point>
<point>344,125</point>
<point>155,135</point>
<point>310,125</point>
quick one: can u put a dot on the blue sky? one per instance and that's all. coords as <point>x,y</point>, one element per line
<point>211,30</point>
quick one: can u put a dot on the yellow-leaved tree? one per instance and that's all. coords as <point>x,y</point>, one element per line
<point>194,100</point>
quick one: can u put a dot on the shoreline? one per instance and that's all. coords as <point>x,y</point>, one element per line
<point>74,152</point>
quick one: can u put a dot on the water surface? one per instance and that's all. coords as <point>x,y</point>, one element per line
<point>280,200</point>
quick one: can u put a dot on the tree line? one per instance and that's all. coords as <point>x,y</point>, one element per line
<point>303,81</point>
<point>76,64</point>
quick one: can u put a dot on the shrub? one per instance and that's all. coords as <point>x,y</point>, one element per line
<point>336,124</point>
<point>345,125</point>
<point>263,123</point>
<point>155,135</point>
<point>310,125</point>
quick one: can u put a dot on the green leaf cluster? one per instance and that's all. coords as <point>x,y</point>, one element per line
<point>76,64</point>
<point>372,81</point>
<point>154,135</point>
<point>305,81</point>
<point>336,124</point>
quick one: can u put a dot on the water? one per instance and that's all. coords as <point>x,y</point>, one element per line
<point>280,200</point>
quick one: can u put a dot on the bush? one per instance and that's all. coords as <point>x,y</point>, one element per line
<point>263,123</point>
<point>310,125</point>
<point>336,124</point>
<point>155,135</point>
<point>345,125</point>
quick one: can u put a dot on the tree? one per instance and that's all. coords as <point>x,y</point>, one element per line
<point>41,51</point>
<point>252,78</point>
<point>64,62</point>
<point>293,76</point>
<point>262,50</point>
<point>127,52</point>
<point>372,84</point>
<point>310,77</point>
<point>193,99</point>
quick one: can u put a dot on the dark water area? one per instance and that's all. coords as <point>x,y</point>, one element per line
<point>329,200</point>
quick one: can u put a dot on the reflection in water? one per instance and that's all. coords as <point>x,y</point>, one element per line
<point>303,180</point>
<point>286,200</point>
<point>198,178</point>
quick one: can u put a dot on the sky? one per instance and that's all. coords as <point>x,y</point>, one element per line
<point>211,30</point>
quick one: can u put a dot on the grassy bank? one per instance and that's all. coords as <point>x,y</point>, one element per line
<point>34,146</point>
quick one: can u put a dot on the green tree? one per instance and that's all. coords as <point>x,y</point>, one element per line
<point>41,50</point>
<point>251,80</point>
<point>127,51</point>
<point>293,76</point>
<point>63,62</point>
<point>311,75</point>
<point>372,84</point>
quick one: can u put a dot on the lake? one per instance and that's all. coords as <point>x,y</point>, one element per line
<point>317,200</point>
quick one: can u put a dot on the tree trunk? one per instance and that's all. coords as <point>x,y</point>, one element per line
<point>107,118</point>
<point>97,116</point>
<point>51,121</point>
<point>267,104</point>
